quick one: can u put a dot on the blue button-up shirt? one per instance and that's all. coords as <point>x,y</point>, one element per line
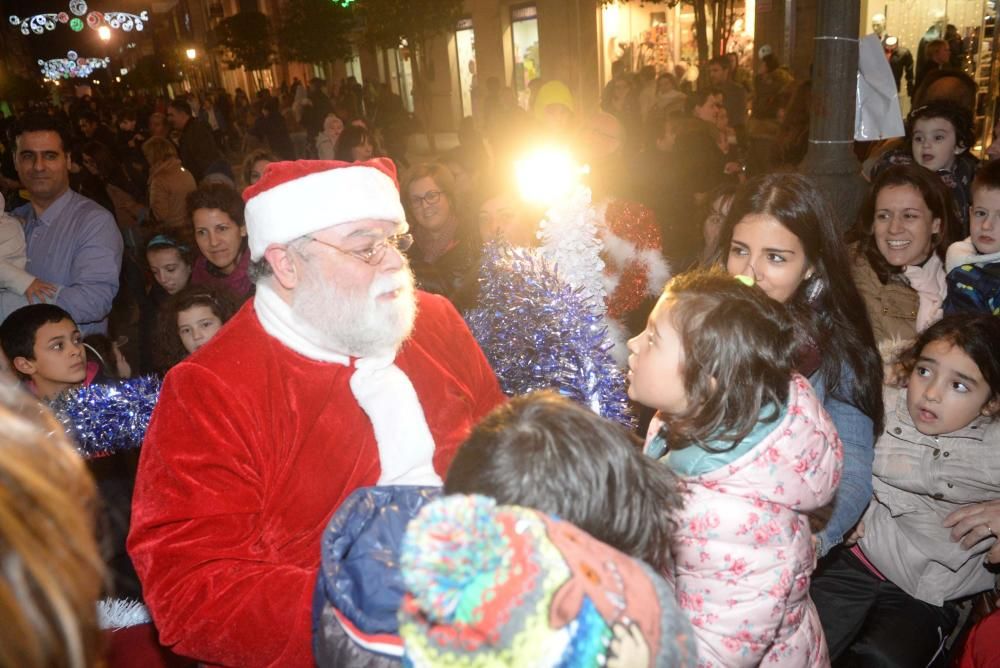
<point>76,245</point>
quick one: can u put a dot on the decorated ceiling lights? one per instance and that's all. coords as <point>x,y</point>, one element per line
<point>71,67</point>
<point>41,23</point>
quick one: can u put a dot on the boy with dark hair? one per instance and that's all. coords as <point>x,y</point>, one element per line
<point>973,264</point>
<point>531,450</point>
<point>45,347</point>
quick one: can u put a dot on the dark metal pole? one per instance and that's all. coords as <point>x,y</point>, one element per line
<point>830,159</point>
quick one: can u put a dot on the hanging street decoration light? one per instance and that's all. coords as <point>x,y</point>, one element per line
<point>125,21</point>
<point>71,67</point>
<point>42,23</point>
<point>39,23</point>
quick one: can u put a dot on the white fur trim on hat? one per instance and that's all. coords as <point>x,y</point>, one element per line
<point>320,200</point>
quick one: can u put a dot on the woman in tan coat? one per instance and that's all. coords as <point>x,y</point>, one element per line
<point>901,237</point>
<point>169,186</point>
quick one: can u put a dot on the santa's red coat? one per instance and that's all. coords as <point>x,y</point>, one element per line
<point>250,450</point>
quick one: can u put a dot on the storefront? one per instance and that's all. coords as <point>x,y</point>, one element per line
<point>465,59</point>
<point>639,34</point>
<point>966,25</point>
<point>524,47</point>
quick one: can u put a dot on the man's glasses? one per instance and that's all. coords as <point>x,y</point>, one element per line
<point>373,255</point>
<point>430,198</point>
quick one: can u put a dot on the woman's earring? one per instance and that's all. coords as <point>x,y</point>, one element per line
<point>814,288</point>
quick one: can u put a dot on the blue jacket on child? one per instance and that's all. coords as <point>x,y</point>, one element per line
<point>973,280</point>
<point>359,586</point>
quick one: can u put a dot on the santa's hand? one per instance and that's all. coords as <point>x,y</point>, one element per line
<point>628,647</point>
<point>974,523</point>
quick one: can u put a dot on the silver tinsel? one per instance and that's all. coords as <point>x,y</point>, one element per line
<point>105,419</point>
<point>539,332</point>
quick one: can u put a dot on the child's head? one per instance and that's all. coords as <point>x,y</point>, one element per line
<point>953,373</point>
<point>191,318</point>
<point>45,346</point>
<point>714,354</point>
<point>719,202</point>
<point>170,263</point>
<point>108,354</point>
<point>52,574</point>
<point>984,214</point>
<point>938,132</point>
<point>532,449</point>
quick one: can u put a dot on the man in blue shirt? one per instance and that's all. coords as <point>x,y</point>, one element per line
<point>74,247</point>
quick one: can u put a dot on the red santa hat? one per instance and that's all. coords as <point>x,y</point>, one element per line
<point>293,199</point>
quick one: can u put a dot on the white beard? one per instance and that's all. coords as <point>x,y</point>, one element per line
<point>355,323</point>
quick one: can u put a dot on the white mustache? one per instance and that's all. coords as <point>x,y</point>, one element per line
<point>391,283</point>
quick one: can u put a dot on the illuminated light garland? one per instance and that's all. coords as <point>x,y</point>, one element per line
<point>126,21</point>
<point>72,66</point>
<point>39,24</point>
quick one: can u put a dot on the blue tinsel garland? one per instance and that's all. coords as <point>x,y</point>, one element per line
<point>105,419</point>
<point>538,332</point>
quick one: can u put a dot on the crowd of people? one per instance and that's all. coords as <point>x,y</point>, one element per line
<point>332,473</point>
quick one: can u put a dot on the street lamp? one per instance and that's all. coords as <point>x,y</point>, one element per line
<point>191,54</point>
<point>104,33</point>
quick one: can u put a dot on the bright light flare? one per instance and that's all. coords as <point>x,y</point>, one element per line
<point>191,54</point>
<point>546,175</point>
<point>104,33</point>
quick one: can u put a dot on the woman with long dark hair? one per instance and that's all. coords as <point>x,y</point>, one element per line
<point>780,232</point>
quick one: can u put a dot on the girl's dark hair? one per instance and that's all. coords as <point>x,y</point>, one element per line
<point>828,305</point>
<point>220,301</point>
<point>164,241</point>
<point>216,196</point>
<point>936,196</point>
<point>739,354</point>
<point>975,333</point>
<point>959,117</point>
<point>351,136</point>
<point>534,448</point>
<point>102,348</point>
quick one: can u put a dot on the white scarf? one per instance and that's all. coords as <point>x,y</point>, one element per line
<point>384,392</point>
<point>929,281</point>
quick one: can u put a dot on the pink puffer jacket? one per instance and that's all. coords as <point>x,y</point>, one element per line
<point>743,550</point>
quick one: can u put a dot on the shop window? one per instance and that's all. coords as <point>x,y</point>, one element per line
<point>353,66</point>
<point>527,60</point>
<point>465,47</point>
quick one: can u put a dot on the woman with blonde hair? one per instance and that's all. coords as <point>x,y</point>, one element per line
<point>169,186</point>
<point>53,574</point>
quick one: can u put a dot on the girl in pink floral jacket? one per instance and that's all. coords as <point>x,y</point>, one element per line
<point>755,451</point>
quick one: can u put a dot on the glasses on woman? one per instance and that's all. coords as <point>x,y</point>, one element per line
<point>376,252</point>
<point>430,198</point>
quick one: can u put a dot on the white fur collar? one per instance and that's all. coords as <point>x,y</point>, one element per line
<point>964,252</point>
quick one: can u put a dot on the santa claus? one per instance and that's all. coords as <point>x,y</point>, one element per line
<point>337,375</point>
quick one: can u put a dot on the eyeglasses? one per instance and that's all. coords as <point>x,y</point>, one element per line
<point>430,198</point>
<point>373,255</point>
